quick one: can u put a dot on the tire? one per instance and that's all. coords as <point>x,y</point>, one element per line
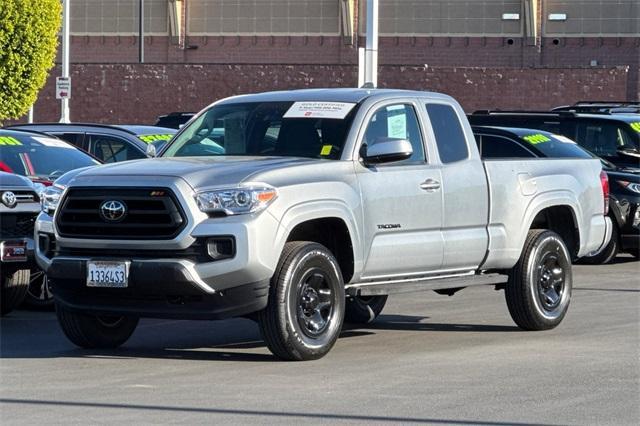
<point>363,309</point>
<point>39,294</point>
<point>609,252</point>
<point>95,332</point>
<point>13,290</point>
<point>305,312</point>
<point>539,288</point>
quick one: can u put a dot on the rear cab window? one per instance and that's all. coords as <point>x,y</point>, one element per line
<point>447,129</point>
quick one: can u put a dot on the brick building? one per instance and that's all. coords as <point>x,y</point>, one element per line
<point>486,53</point>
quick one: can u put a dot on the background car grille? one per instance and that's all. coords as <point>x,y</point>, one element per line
<point>152,214</point>
<point>17,225</point>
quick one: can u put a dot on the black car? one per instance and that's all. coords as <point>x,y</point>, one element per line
<point>624,184</point>
<point>614,137</point>
<point>109,143</point>
<point>613,107</point>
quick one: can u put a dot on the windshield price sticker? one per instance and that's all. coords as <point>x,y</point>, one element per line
<point>636,126</point>
<point>9,140</point>
<point>335,110</point>
<point>536,139</point>
<point>154,138</point>
<point>52,142</point>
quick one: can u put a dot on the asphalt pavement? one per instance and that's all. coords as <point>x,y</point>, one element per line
<point>427,359</point>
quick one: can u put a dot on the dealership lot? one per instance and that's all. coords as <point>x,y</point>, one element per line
<point>428,358</point>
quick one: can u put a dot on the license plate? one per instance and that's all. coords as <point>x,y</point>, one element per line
<point>108,273</point>
<point>13,251</point>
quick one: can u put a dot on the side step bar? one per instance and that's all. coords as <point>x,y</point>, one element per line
<point>422,284</point>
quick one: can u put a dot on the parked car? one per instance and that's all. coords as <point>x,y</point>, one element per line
<point>42,159</point>
<point>612,107</point>
<point>624,184</point>
<point>19,206</point>
<point>174,120</point>
<point>614,137</point>
<point>109,143</point>
<point>351,203</point>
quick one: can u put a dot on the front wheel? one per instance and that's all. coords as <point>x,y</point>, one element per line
<point>539,288</point>
<point>13,289</point>
<point>305,312</point>
<point>95,331</point>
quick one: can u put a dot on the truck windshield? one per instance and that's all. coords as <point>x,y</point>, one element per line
<point>290,129</point>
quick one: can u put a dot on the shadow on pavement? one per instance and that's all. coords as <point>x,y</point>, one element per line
<point>413,323</point>
<point>254,413</point>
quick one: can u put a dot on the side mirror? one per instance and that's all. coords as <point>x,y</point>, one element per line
<point>151,150</point>
<point>386,150</point>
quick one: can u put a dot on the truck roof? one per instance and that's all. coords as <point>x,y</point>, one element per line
<point>354,95</point>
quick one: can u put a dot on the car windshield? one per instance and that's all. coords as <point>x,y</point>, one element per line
<point>290,129</point>
<point>40,156</point>
<point>555,146</point>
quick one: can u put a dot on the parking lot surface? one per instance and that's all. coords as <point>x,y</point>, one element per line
<point>428,358</point>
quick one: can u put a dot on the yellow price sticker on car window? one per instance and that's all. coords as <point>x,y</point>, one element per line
<point>636,126</point>
<point>154,138</point>
<point>536,139</point>
<point>326,150</point>
<point>9,141</point>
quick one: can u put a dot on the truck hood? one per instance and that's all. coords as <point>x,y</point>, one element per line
<point>199,172</point>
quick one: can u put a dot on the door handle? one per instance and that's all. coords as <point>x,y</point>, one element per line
<point>430,185</point>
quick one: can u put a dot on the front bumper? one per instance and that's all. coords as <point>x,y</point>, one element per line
<point>156,289</point>
<point>165,285</point>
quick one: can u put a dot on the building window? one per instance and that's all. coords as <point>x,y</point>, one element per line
<point>447,17</point>
<point>592,18</point>
<point>118,17</point>
<point>215,17</point>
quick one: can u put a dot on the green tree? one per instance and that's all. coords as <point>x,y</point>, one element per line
<point>28,44</point>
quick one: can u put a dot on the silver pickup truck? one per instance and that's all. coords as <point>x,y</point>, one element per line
<point>303,209</point>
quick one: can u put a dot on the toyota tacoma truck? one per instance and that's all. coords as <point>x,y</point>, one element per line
<point>304,209</point>
<point>19,207</point>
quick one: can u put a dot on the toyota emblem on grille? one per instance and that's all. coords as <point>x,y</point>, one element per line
<point>9,199</point>
<point>113,210</point>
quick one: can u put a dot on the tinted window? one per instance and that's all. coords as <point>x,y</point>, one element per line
<point>112,149</point>
<point>604,138</point>
<point>263,129</point>
<point>39,156</point>
<point>500,147</point>
<point>450,139</point>
<point>397,121</point>
<point>73,138</point>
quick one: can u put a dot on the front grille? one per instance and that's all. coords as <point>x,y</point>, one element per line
<point>151,214</point>
<point>17,225</point>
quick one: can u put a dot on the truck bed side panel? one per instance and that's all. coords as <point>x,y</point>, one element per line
<point>520,189</point>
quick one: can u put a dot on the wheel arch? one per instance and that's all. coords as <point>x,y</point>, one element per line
<point>329,224</point>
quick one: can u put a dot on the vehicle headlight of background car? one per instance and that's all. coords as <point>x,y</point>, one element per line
<point>633,187</point>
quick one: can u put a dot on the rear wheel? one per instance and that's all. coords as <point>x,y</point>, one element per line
<point>13,289</point>
<point>305,312</point>
<point>539,288</point>
<point>363,309</point>
<point>39,294</point>
<point>95,331</point>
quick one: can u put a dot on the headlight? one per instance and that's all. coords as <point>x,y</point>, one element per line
<point>50,198</point>
<point>633,187</point>
<point>234,201</point>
